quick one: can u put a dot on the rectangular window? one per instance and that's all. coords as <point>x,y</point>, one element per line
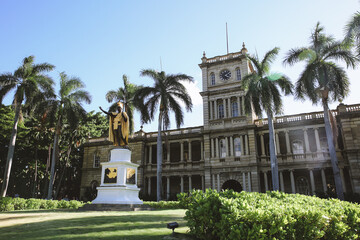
<point>221,111</point>
<point>96,161</point>
<point>235,110</point>
<point>238,74</point>
<point>212,78</point>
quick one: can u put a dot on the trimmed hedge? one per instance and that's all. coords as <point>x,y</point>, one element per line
<point>164,204</point>
<point>11,204</point>
<point>271,215</point>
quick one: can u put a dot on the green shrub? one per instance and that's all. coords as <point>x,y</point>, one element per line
<point>6,204</point>
<point>274,215</point>
<point>11,204</point>
<point>164,204</point>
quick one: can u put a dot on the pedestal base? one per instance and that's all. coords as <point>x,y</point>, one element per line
<point>117,195</point>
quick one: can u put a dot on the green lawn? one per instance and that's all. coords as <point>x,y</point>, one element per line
<point>60,224</point>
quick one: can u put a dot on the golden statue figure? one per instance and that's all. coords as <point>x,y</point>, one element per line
<point>118,126</point>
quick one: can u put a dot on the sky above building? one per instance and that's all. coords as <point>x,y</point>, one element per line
<point>99,41</point>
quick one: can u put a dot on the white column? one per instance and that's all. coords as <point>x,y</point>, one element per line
<point>266,182</point>
<point>288,150</point>
<point>190,152</point>
<point>213,181</point>
<point>277,143</point>
<point>201,150</point>
<point>293,190</point>
<point>238,105</point>
<point>242,146</point>
<point>167,188</point>
<point>244,181</point>
<point>306,138</point>
<point>282,186</point>
<point>226,146</point>
<point>317,140</point>
<point>149,186</point>
<point>218,182</point>
<point>342,179</point>
<point>323,178</point>
<point>312,182</point>
<point>168,153</point>
<point>262,144</point>
<point>181,183</point>
<point>203,183</point>
<point>224,103</point>
<point>150,154</point>
<point>231,146</point>
<point>216,109</point>
<point>212,147</point>
<point>246,145</point>
<point>181,151</point>
<point>190,183</point>
<point>249,180</point>
<point>211,109</point>
<point>243,105</point>
<point>229,107</point>
<point>217,147</point>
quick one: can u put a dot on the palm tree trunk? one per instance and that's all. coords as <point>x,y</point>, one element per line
<point>53,158</point>
<point>46,175</point>
<point>35,174</point>
<point>159,160</point>
<point>273,159</point>
<point>64,169</point>
<point>332,151</point>
<point>10,154</point>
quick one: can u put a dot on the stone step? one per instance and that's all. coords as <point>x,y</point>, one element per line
<point>115,207</point>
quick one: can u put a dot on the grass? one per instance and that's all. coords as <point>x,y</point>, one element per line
<point>66,224</point>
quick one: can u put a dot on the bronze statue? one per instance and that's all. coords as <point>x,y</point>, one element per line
<point>118,126</point>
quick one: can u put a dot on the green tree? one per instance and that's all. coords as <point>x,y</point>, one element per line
<point>352,31</point>
<point>323,81</point>
<point>29,83</point>
<point>263,95</point>
<point>126,95</point>
<point>165,96</point>
<point>67,106</point>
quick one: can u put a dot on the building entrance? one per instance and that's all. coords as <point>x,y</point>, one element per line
<point>232,184</point>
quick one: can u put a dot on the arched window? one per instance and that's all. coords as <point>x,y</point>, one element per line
<point>237,147</point>
<point>302,185</point>
<point>222,149</point>
<point>297,147</point>
<point>234,109</point>
<point>212,79</point>
<point>96,162</point>
<point>221,110</point>
<point>238,74</point>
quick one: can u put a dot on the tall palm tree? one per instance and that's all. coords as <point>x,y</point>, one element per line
<point>352,31</point>
<point>67,106</point>
<point>263,95</point>
<point>126,95</point>
<point>323,81</point>
<point>165,96</point>
<point>29,81</point>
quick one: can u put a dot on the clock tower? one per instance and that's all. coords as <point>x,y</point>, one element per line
<point>229,133</point>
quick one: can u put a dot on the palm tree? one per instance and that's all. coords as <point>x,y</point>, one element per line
<point>323,81</point>
<point>66,106</point>
<point>126,95</point>
<point>352,31</point>
<point>29,81</point>
<point>262,95</point>
<point>166,95</point>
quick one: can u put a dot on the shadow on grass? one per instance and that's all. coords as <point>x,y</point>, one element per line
<point>127,226</point>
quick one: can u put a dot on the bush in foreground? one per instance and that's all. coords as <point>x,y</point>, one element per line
<point>11,204</point>
<point>271,215</point>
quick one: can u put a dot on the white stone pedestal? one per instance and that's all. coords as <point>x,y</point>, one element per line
<point>118,180</point>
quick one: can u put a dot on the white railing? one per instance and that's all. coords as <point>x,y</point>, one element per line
<point>223,58</point>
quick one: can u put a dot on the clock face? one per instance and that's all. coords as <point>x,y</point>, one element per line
<point>225,75</point>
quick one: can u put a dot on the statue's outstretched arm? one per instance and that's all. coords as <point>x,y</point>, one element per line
<point>107,113</point>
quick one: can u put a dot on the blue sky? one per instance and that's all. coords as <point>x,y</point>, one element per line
<point>99,41</point>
